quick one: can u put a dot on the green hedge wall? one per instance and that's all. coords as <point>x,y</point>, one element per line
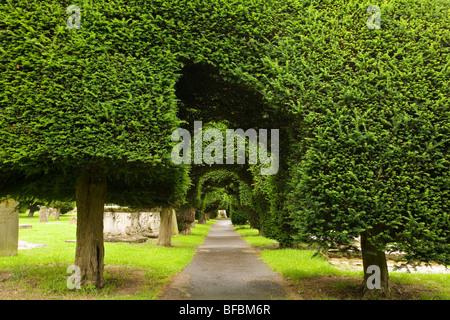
<point>375,111</point>
<point>104,94</point>
<point>238,215</point>
<point>365,127</point>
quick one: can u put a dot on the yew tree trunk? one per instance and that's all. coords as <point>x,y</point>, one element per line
<point>185,217</point>
<point>375,283</point>
<point>90,251</point>
<point>165,228</point>
<point>202,219</point>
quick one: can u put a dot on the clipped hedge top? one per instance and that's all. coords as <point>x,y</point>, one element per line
<point>105,94</point>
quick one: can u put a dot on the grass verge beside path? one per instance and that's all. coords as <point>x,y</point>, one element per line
<point>132,271</point>
<point>315,278</point>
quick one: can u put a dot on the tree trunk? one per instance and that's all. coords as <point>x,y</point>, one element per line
<point>193,212</point>
<point>30,214</point>
<point>185,219</point>
<point>202,219</point>
<point>90,251</point>
<point>165,228</point>
<point>376,274</point>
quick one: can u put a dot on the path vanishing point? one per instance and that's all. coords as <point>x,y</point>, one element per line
<point>225,267</point>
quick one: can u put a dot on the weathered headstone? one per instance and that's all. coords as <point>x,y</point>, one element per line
<point>124,224</point>
<point>175,231</point>
<point>54,212</point>
<point>222,214</point>
<point>9,228</point>
<point>44,213</point>
<point>73,220</point>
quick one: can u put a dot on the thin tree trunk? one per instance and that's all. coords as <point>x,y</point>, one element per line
<point>90,251</point>
<point>202,219</point>
<point>165,228</point>
<point>376,281</point>
<point>193,212</point>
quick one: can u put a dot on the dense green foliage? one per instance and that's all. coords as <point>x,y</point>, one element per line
<point>84,97</point>
<point>238,216</point>
<point>363,114</point>
<point>375,110</point>
<point>216,200</point>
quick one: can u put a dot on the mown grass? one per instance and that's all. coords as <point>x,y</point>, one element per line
<point>299,264</point>
<point>42,272</point>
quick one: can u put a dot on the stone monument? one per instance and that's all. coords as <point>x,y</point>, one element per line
<point>44,213</point>
<point>55,212</point>
<point>124,224</point>
<point>175,231</point>
<point>222,214</point>
<point>9,227</point>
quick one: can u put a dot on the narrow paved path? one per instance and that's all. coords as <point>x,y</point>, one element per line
<point>225,267</point>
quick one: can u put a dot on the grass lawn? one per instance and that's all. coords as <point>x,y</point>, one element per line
<point>132,271</point>
<point>316,278</point>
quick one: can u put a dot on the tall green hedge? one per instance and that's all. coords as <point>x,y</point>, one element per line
<point>363,113</point>
<point>238,215</point>
<point>104,94</point>
<point>375,120</point>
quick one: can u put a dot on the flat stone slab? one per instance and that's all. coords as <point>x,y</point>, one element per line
<point>25,226</point>
<point>28,245</point>
<point>126,238</point>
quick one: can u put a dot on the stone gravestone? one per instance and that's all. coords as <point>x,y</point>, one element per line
<point>124,224</point>
<point>175,231</point>
<point>54,212</point>
<point>73,220</point>
<point>44,213</point>
<point>9,228</point>
<point>222,214</point>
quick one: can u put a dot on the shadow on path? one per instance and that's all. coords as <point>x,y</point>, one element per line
<point>225,267</point>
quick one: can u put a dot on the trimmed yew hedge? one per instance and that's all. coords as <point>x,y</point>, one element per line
<point>363,114</point>
<point>375,125</point>
<point>103,95</point>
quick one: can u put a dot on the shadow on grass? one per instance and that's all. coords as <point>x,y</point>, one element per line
<point>49,282</point>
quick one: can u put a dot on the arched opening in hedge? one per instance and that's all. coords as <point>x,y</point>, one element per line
<point>208,94</point>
